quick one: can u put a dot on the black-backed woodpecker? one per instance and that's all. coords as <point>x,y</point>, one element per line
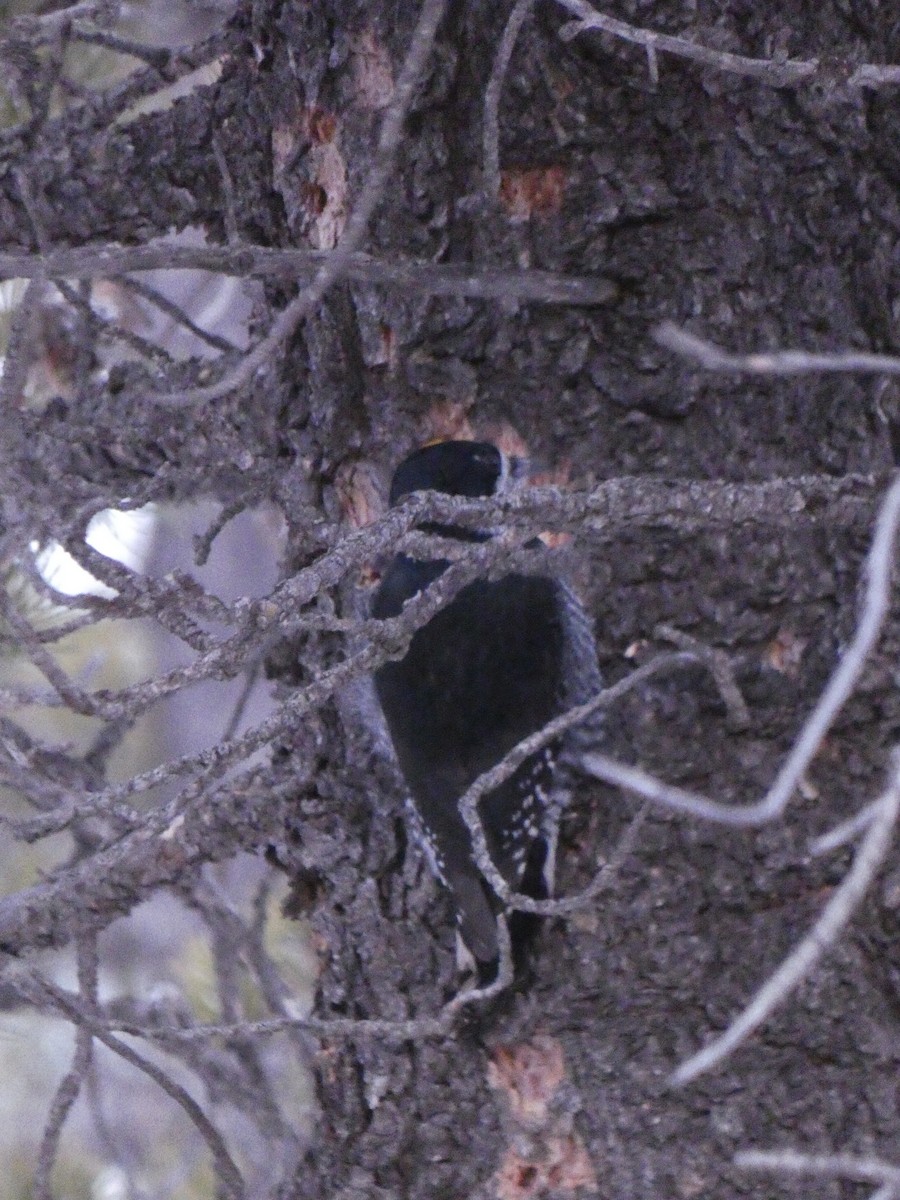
<point>495,665</point>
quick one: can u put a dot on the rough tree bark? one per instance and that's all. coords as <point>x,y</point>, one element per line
<point>763,217</point>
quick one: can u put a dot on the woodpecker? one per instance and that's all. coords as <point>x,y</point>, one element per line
<point>493,666</point>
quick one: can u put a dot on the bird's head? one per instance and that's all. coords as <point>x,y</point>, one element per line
<point>457,468</point>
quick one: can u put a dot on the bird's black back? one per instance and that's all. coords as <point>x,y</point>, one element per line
<point>481,675</point>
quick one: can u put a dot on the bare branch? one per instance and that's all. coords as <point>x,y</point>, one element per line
<point>231,224</point>
<point>847,831</point>
<point>719,667</point>
<point>889,1191</point>
<point>774,73</point>
<point>416,1029</point>
<point>75,697</point>
<point>21,345</point>
<point>176,313</point>
<point>63,1100</point>
<point>865,1169</point>
<point>797,966</point>
<point>877,570</point>
<point>155,57</point>
<point>48,25</point>
<point>776,362</point>
<point>655,791</point>
<point>67,1006</point>
<point>491,138</point>
<point>439,279</point>
<point>103,261</point>
<point>240,705</point>
<point>231,939</point>
<point>70,1087</point>
<point>28,203</point>
<point>210,764</point>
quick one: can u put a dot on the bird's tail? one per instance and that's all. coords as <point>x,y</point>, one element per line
<point>479,911</point>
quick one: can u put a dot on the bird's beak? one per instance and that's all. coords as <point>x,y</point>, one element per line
<point>518,472</point>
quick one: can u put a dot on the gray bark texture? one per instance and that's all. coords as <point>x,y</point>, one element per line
<point>761,217</point>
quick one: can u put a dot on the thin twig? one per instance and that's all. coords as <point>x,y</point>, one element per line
<point>22,342</point>
<point>877,569</point>
<point>771,72</point>
<point>61,1106</point>
<point>229,936</point>
<point>864,1168</point>
<point>800,962</point>
<point>414,1029</point>
<point>176,313</point>
<point>719,667</point>
<point>775,362</point>
<point>74,697</point>
<point>491,138</point>
<point>13,697</point>
<point>847,831</point>
<point>888,1191</point>
<point>70,1087</point>
<point>354,1028</point>
<point>276,992</point>
<point>203,542</point>
<point>230,212</point>
<point>68,1006</point>
<point>111,330</point>
<point>240,705</point>
<point>39,29</point>
<point>157,58</point>
<point>30,205</point>
<point>23,334</point>
<point>103,260</point>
